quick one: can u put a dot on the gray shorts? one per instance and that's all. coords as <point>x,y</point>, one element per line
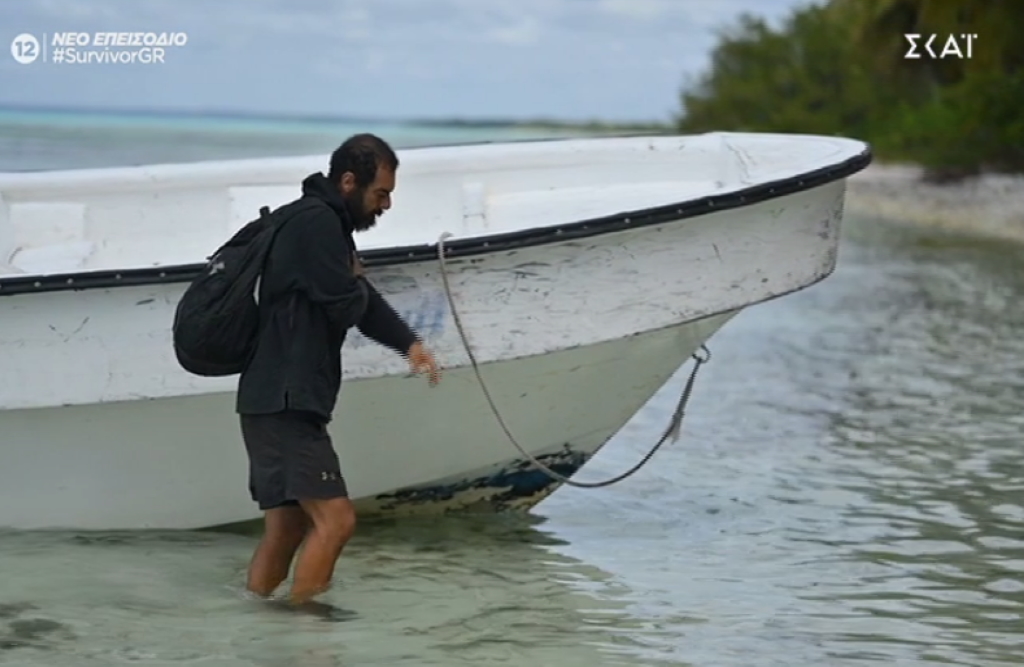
<point>291,458</point>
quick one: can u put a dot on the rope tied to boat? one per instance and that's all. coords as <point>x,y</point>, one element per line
<point>702,356</point>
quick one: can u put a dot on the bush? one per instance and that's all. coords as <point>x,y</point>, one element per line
<point>819,74</point>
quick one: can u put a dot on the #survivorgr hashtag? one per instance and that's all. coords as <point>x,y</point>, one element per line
<point>73,56</point>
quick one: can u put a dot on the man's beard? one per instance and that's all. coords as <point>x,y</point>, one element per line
<point>362,219</point>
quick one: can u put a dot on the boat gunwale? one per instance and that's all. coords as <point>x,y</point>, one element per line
<point>455,248</point>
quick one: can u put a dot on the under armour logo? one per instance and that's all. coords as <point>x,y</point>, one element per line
<point>325,476</point>
<point>216,267</point>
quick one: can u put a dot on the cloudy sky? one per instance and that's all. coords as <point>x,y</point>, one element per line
<point>570,59</point>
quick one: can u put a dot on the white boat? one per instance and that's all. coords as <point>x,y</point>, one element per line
<point>586,273</point>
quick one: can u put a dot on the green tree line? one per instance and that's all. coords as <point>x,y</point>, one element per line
<point>839,68</point>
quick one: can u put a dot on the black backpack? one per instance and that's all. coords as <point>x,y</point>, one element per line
<point>217,320</point>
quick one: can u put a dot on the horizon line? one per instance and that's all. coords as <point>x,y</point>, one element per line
<point>237,114</point>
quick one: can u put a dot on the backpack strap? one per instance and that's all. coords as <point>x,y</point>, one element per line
<point>277,220</point>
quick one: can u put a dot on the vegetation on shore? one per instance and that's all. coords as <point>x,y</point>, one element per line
<point>838,67</point>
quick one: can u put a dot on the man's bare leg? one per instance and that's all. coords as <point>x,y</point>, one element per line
<point>334,522</point>
<point>284,530</point>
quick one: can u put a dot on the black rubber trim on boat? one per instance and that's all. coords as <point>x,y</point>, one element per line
<point>427,252</point>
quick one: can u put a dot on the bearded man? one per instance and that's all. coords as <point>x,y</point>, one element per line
<point>312,291</point>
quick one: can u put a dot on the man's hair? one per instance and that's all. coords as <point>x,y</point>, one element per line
<point>362,154</point>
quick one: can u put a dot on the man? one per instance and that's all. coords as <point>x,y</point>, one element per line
<point>312,292</point>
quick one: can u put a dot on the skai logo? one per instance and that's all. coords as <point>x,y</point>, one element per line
<point>955,46</point>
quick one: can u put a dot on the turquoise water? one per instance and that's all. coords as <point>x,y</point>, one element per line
<point>31,141</point>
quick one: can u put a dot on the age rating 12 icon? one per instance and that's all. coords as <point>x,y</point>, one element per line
<point>25,48</point>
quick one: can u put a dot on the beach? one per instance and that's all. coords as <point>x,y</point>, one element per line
<point>989,206</point>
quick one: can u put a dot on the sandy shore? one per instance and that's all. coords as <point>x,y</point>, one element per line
<point>990,205</point>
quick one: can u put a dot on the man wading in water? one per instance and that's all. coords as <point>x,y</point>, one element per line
<point>312,292</point>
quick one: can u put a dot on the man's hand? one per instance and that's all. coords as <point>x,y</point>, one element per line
<point>420,361</point>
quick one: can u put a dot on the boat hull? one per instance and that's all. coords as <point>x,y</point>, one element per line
<point>178,462</point>
<point>102,430</point>
<point>113,344</point>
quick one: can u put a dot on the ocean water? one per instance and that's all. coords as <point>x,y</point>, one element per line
<point>31,141</point>
<point>848,490</point>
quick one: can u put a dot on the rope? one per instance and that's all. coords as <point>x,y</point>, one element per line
<point>673,429</point>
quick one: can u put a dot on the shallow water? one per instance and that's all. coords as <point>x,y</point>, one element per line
<point>848,489</point>
<point>452,592</point>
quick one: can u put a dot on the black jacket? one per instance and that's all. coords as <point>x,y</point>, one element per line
<point>309,298</point>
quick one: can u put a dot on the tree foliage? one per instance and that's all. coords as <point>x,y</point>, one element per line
<point>838,67</point>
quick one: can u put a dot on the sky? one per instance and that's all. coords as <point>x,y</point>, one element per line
<point>611,60</point>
